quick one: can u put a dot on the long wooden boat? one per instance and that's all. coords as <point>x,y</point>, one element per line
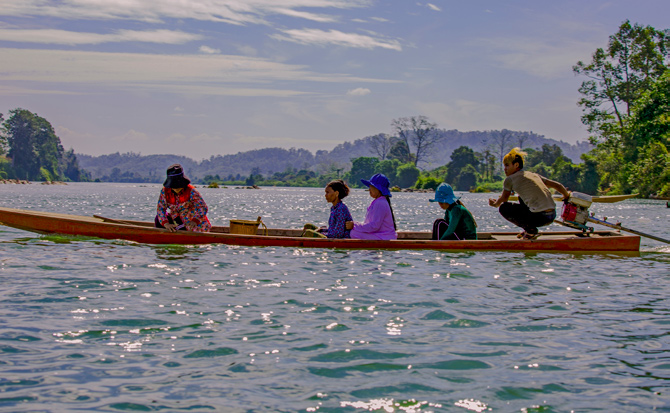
<point>603,199</point>
<point>144,232</point>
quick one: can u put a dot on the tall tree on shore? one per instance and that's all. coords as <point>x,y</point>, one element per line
<point>501,142</point>
<point>400,151</point>
<point>460,158</point>
<point>381,145</point>
<point>35,151</point>
<point>635,57</point>
<point>419,134</point>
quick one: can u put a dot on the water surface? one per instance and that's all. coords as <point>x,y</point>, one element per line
<point>104,325</point>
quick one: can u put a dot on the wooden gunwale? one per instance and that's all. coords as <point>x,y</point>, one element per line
<point>602,199</point>
<point>144,232</point>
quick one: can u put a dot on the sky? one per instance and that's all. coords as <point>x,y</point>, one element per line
<point>203,78</point>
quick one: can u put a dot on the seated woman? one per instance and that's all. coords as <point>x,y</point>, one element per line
<point>180,206</point>
<point>536,207</point>
<point>339,213</point>
<point>458,222</point>
<point>379,219</point>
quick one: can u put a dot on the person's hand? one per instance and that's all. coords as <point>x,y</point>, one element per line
<point>492,202</point>
<point>171,227</point>
<point>349,225</point>
<point>190,225</point>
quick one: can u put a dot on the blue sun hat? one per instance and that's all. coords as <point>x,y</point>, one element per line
<point>445,194</point>
<point>379,181</point>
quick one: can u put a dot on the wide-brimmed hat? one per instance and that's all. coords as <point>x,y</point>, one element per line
<point>445,194</point>
<point>379,181</point>
<point>176,178</point>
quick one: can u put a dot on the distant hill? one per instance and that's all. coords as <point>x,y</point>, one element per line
<point>133,167</point>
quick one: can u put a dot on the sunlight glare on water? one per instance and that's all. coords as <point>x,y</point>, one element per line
<point>110,325</point>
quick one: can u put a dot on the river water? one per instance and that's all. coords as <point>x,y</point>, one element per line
<point>102,325</point>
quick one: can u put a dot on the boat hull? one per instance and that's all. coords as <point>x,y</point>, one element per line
<point>144,232</point>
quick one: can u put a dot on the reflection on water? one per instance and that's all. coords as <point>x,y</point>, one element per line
<point>111,325</point>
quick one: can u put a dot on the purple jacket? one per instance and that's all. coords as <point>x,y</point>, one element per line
<point>378,222</point>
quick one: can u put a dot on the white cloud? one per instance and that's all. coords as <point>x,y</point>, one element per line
<point>433,7</point>
<point>360,91</point>
<point>185,74</point>
<point>209,50</point>
<point>49,36</point>
<point>336,37</point>
<point>246,50</point>
<point>229,11</point>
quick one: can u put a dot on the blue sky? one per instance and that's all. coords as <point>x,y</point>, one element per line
<point>209,77</point>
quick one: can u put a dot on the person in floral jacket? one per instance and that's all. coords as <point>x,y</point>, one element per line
<point>180,206</point>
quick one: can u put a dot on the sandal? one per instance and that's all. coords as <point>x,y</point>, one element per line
<point>531,237</point>
<point>520,235</point>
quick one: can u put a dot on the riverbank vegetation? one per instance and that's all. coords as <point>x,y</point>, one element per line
<point>625,101</point>
<point>626,108</point>
<point>30,150</point>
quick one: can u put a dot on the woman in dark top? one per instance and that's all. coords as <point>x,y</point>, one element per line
<point>458,222</point>
<point>339,213</point>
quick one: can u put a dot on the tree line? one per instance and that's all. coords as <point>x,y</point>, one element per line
<point>625,104</point>
<point>625,101</point>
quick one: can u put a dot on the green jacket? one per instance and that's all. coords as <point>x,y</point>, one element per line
<point>460,221</point>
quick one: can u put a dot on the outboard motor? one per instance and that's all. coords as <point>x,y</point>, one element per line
<point>576,211</point>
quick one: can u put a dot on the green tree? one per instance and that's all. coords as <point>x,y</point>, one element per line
<point>466,179</point>
<point>649,132</point>
<point>647,124</point>
<point>426,181</point>
<point>487,164</point>
<point>361,168</point>
<point>566,173</point>
<point>651,116</point>
<point>400,151</point>
<point>547,155</point>
<point>5,167</point>
<point>407,175</point>
<point>589,177</point>
<point>460,158</point>
<point>635,57</point>
<point>70,167</point>
<point>388,167</point>
<point>651,174</point>
<point>33,145</point>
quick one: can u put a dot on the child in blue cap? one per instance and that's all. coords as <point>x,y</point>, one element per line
<point>458,222</point>
<point>379,219</point>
